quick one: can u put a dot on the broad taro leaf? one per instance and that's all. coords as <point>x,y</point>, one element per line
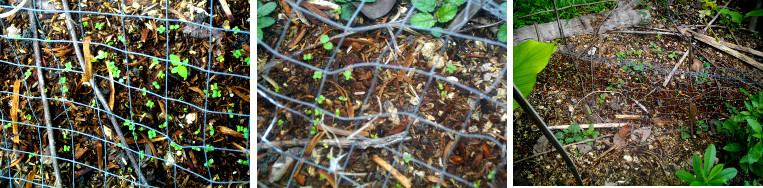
<point>530,58</point>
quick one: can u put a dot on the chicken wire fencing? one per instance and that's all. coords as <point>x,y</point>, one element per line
<point>114,93</point>
<point>595,88</point>
<point>389,105</point>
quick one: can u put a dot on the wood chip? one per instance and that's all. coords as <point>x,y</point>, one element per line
<point>30,177</point>
<point>400,177</point>
<point>328,177</point>
<point>228,131</point>
<point>237,90</point>
<point>88,64</point>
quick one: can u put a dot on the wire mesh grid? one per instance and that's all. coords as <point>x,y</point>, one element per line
<point>577,77</point>
<point>72,108</point>
<point>312,120</point>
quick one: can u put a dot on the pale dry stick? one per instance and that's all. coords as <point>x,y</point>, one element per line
<point>568,145</point>
<point>595,125</point>
<point>586,96</point>
<point>400,177</point>
<point>341,142</point>
<point>45,106</point>
<point>667,79</point>
<point>541,12</point>
<point>648,32</point>
<point>97,91</point>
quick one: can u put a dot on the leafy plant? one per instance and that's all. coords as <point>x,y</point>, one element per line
<point>317,75</point>
<point>326,43</point>
<point>98,25</point>
<point>263,20</point>
<point>574,133</point>
<point>447,11</point>
<point>347,74</point>
<point>150,104</point>
<point>215,91</point>
<point>705,173</point>
<point>744,141</point>
<point>320,100</point>
<point>178,68</point>
<point>530,57</point>
<point>156,85</point>
<point>684,133</point>
<point>450,68</point>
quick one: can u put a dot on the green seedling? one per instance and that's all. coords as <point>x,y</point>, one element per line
<point>215,91</point>
<point>326,43</point>
<point>7,126</point>
<point>67,148</point>
<point>197,131</point>
<point>317,75</point>
<point>243,162</point>
<point>450,68</point>
<point>236,30</point>
<point>231,113</point>
<point>161,29</point>
<point>163,125</point>
<point>178,68</point>
<point>705,174</point>
<point>574,133</point>
<point>684,133</point>
<point>209,148</point>
<point>150,104</point>
<point>121,39</point>
<point>237,53</point>
<point>336,112</point>
<point>320,100</point>
<point>341,98</point>
<point>160,75</point>
<point>98,25</point>
<point>211,130</point>
<point>262,16</point>
<point>84,24</point>
<point>206,164</point>
<point>28,73</point>
<point>312,131</point>
<point>156,85</point>
<point>308,56</point>
<point>347,74</point>
<point>176,26</point>
<point>69,66</point>
<point>176,146</point>
<point>407,157</point>
<point>151,134</point>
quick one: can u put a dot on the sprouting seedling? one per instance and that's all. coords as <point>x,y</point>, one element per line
<point>317,75</point>
<point>215,91</point>
<point>450,68</point>
<point>176,26</point>
<point>206,164</point>
<point>326,43</point>
<point>178,68</point>
<point>341,98</point>
<point>320,100</point>
<point>161,29</point>
<point>98,25</point>
<point>156,85</point>
<point>160,75</point>
<point>151,134</point>
<point>347,74</point>
<point>150,104</point>
<point>308,56</point>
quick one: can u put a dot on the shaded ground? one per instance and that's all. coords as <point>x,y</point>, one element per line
<point>570,76</point>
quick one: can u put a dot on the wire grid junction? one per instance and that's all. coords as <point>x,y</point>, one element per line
<point>9,63</point>
<point>280,100</point>
<point>595,74</point>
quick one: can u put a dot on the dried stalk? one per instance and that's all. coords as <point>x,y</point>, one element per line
<point>99,95</point>
<point>45,106</point>
<point>343,142</point>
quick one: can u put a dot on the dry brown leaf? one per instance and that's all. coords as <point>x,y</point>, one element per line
<point>14,110</point>
<point>236,91</point>
<point>197,90</point>
<point>447,147</point>
<point>625,130</point>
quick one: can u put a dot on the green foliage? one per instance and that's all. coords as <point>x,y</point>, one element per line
<point>156,85</point>
<point>151,134</point>
<point>428,17</point>
<point>161,29</point>
<point>215,91</point>
<point>98,25</point>
<point>705,174</point>
<point>684,133</point>
<point>450,68</point>
<point>637,67</point>
<point>263,20</point>
<point>347,74</point>
<point>407,157</point>
<point>317,75</point>
<point>526,7</point>
<point>150,104</point>
<point>574,133</point>
<point>320,100</point>
<point>211,130</point>
<point>744,143</point>
<point>308,56</point>
<point>341,98</point>
<point>530,57</point>
<point>178,68</point>
<point>326,43</point>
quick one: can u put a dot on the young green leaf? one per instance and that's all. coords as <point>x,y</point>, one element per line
<point>425,5</point>
<point>264,10</point>
<point>446,13</point>
<point>423,20</point>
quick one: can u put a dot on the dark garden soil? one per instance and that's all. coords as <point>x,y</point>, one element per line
<point>578,82</point>
<point>185,121</point>
<point>477,66</point>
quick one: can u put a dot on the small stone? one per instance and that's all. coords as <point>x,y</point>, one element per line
<point>628,158</point>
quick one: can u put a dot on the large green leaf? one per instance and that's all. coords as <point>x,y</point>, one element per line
<point>758,12</point>
<point>716,169</point>
<point>727,174</point>
<point>754,125</point>
<point>446,13</point>
<point>755,153</point>
<point>530,58</point>
<point>502,33</point>
<point>733,147</point>
<point>709,159</point>
<point>263,22</point>
<point>685,176</point>
<point>698,170</point>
